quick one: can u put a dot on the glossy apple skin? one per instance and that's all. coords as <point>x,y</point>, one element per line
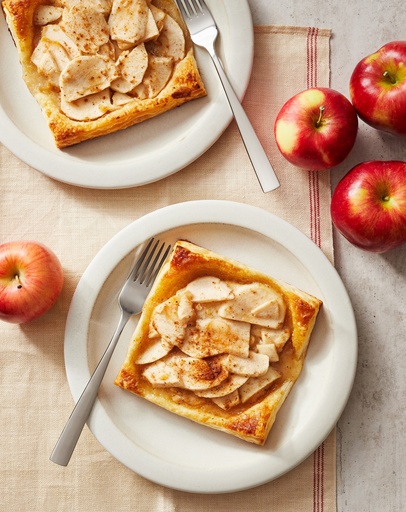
<point>368,206</point>
<point>378,88</point>
<point>311,145</point>
<point>31,279</point>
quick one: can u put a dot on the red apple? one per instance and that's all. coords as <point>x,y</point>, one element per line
<point>378,88</point>
<point>316,129</point>
<point>368,206</point>
<point>31,279</point>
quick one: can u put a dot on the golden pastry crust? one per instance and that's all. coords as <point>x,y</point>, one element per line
<point>250,420</point>
<point>185,83</point>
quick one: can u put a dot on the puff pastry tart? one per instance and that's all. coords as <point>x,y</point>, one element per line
<point>98,66</point>
<point>219,343</point>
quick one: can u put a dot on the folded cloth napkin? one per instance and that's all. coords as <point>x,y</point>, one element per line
<point>76,223</point>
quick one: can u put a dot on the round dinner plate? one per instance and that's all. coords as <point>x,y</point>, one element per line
<point>171,450</point>
<point>143,153</point>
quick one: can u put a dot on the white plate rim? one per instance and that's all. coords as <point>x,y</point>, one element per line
<point>212,212</point>
<point>142,168</point>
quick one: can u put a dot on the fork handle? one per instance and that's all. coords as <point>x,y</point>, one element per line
<point>259,160</point>
<point>68,439</point>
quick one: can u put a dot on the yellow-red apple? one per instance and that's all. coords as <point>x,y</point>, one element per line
<point>368,206</point>
<point>378,88</point>
<point>316,129</point>
<point>31,279</point>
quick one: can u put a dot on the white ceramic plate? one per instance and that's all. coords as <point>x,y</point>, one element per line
<point>174,451</point>
<point>141,154</point>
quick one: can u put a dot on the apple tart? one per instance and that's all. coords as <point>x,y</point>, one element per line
<point>98,66</point>
<point>219,343</point>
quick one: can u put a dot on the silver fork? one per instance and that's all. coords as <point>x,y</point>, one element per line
<point>131,299</point>
<point>203,31</point>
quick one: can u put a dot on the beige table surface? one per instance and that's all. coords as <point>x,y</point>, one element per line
<point>371,451</point>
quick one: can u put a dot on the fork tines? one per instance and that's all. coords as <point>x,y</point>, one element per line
<point>191,7</point>
<point>144,270</point>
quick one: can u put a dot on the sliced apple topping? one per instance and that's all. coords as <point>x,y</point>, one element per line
<point>257,304</point>
<point>55,34</point>
<point>86,27</point>
<point>186,311</point>
<point>211,336</point>
<point>90,107</point>
<point>269,341</point>
<point>151,30</point>
<point>156,77</point>
<point>226,402</point>
<point>128,22</point>
<point>198,374</point>
<point>185,372</point>
<point>167,323</point>
<point>47,14</point>
<point>164,373</point>
<point>228,386</point>
<point>126,49</point>
<point>102,6</point>
<point>120,99</point>
<point>158,15</point>
<point>53,52</point>
<point>131,66</point>
<point>278,337</point>
<point>206,339</point>
<point>209,289</point>
<point>86,75</point>
<point>254,365</point>
<point>157,350</point>
<point>269,350</point>
<point>108,50</point>
<point>254,385</point>
<point>171,41</point>
<point>50,57</point>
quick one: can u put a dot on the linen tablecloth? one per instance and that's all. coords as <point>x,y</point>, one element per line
<point>76,223</point>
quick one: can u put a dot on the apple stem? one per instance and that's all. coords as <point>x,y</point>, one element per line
<point>17,279</point>
<point>321,111</point>
<point>392,80</point>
